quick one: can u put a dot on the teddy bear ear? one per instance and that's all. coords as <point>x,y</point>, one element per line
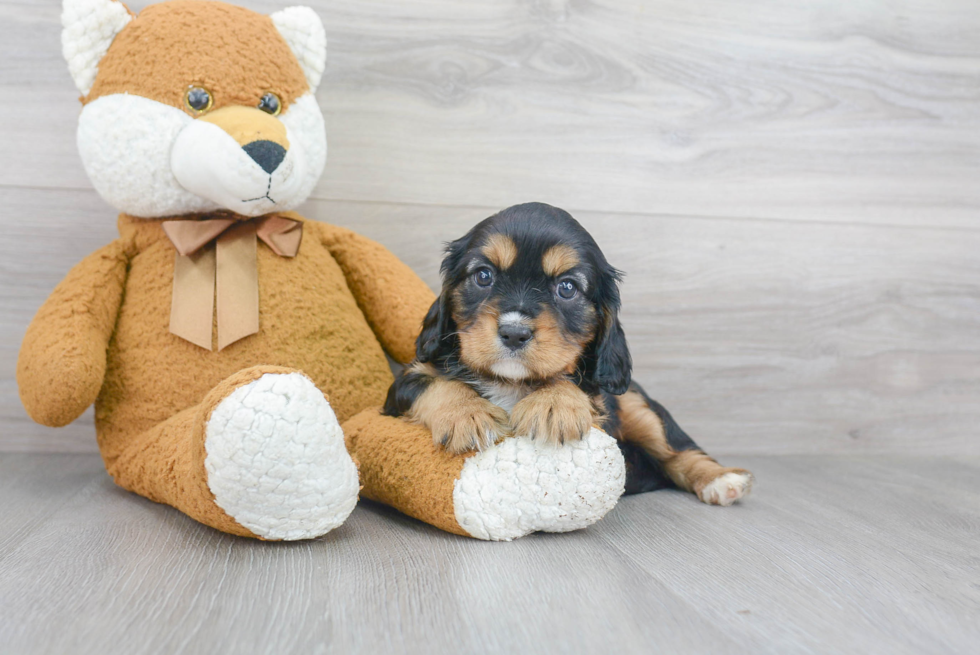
<point>89,28</point>
<point>303,31</point>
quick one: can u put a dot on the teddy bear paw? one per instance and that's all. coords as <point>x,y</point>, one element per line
<point>522,485</point>
<point>276,460</point>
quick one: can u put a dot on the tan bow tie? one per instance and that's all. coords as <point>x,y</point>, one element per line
<point>231,265</point>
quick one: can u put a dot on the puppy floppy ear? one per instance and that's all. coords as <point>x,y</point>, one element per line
<point>613,365</point>
<point>438,335</point>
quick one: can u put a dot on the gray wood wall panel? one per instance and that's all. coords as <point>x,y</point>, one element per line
<point>858,111</point>
<point>790,188</point>
<point>760,336</point>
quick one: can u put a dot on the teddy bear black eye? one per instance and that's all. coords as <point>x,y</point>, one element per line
<point>198,100</point>
<point>567,289</point>
<point>270,104</point>
<point>484,277</point>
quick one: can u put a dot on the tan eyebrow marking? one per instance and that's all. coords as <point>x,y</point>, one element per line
<point>559,259</point>
<point>500,250</point>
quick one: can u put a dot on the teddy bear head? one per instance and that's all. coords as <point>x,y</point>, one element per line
<point>193,107</point>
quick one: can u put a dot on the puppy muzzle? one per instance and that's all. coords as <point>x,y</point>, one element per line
<point>515,337</point>
<point>514,331</point>
<point>514,334</point>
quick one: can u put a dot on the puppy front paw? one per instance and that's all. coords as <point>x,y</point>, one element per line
<point>473,424</point>
<point>556,413</point>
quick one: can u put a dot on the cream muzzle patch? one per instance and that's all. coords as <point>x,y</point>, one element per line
<point>152,160</point>
<point>227,159</point>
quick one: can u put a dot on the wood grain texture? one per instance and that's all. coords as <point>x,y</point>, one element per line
<point>830,554</point>
<point>760,336</point>
<point>791,189</point>
<point>691,138</point>
<point>862,111</point>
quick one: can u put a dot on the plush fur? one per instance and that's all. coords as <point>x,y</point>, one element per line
<point>249,439</point>
<point>165,409</point>
<point>525,339</point>
<point>148,156</point>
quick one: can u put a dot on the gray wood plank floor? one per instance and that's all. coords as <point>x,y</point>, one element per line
<point>830,555</point>
<point>791,189</point>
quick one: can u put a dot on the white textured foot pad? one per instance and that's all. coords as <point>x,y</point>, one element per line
<point>726,489</point>
<point>521,486</point>
<point>276,459</point>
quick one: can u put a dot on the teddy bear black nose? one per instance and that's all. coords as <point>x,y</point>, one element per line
<point>266,154</point>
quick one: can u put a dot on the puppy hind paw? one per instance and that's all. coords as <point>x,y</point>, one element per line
<point>727,488</point>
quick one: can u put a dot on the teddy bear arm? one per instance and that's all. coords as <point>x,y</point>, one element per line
<point>62,359</point>
<point>393,298</point>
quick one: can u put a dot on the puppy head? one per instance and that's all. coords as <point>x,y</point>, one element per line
<point>528,295</point>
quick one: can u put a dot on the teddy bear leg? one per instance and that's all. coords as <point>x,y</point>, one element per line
<point>511,489</point>
<point>262,456</point>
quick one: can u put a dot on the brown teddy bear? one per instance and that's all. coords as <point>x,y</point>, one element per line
<point>235,351</point>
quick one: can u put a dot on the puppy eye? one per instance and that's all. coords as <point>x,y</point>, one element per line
<point>567,289</point>
<point>483,277</point>
<point>270,104</point>
<point>198,100</point>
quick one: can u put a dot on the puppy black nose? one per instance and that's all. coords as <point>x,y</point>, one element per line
<point>516,336</point>
<point>266,154</point>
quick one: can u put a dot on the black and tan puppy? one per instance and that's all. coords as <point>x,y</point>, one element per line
<point>525,339</point>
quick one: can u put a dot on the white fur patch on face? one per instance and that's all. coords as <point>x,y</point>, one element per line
<point>519,486</point>
<point>125,144</point>
<point>510,366</point>
<point>503,394</point>
<point>276,459</point>
<point>512,318</point>
<point>304,126</point>
<point>151,160</point>
<point>511,369</point>
<point>209,163</point>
